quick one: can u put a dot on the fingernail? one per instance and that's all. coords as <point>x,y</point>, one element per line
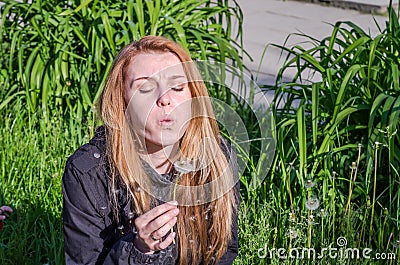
<point>173,202</point>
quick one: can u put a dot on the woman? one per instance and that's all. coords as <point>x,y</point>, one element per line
<point>155,184</point>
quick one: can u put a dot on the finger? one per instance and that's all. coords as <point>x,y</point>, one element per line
<point>164,244</point>
<point>155,212</point>
<point>6,209</point>
<point>145,232</point>
<point>162,231</point>
<point>161,220</point>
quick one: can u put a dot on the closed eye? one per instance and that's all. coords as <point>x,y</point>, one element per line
<point>147,87</point>
<point>178,88</point>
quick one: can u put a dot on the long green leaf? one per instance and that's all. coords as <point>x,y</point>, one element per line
<point>302,139</point>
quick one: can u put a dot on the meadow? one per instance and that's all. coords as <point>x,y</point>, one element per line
<point>334,177</point>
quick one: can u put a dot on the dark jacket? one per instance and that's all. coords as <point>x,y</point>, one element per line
<point>91,233</point>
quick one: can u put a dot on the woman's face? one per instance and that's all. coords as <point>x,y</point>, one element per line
<point>158,98</point>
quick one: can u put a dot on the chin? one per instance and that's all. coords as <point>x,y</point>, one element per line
<point>169,142</point>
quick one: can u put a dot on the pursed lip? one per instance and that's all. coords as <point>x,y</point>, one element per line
<point>166,120</point>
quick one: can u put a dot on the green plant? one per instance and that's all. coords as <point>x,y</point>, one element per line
<point>32,159</point>
<point>336,125</point>
<point>56,54</point>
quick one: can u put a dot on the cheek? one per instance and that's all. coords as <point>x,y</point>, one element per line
<point>184,114</point>
<point>140,111</point>
<point>183,106</point>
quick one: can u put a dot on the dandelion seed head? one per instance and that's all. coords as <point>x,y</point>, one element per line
<point>312,203</point>
<point>309,184</point>
<point>292,233</point>
<point>386,211</point>
<point>310,219</point>
<point>322,213</point>
<point>353,165</point>
<point>183,166</point>
<point>292,217</point>
<point>396,243</point>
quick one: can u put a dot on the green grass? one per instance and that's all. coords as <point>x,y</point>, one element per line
<point>33,156</point>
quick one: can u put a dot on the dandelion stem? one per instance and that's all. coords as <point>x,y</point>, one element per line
<point>289,190</point>
<point>176,184</point>
<point>386,213</point>
<point>374,191</point>
<point>348,208</point>
<point>354,169</point>
<point>350,192</point>
<point>309,231</point>
<point>182,167</point>
<point>174,198</point>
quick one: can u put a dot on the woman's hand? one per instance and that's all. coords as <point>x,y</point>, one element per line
<point>4,212</point>
<point>154,225</point>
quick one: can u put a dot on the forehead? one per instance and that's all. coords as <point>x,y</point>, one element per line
<point>154,64</point>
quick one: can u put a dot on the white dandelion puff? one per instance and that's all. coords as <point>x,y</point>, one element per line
<point>183,167</point>
<point>312,203</point>
<point>309,184</point>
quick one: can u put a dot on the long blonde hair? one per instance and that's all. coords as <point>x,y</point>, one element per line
<point>204,230</point>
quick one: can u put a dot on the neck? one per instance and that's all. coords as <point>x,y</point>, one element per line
<point>159,157</point>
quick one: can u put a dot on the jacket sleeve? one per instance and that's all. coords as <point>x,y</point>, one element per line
<point>89,235</point>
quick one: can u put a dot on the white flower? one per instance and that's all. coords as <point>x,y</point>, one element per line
<point>309,184</point>
<point>310,220</point>
<point>183,167</point>
<point>312,204</point>
<point>322,213</point>
<point>292,233</point>
<point>396,244</point>
<point>292,217</point>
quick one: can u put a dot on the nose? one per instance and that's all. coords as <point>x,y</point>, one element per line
<point>164,100</point>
